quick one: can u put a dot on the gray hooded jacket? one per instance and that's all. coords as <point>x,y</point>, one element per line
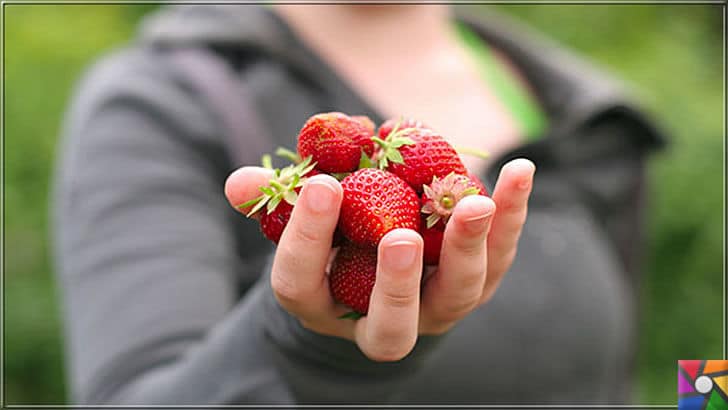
<point>165,288</point>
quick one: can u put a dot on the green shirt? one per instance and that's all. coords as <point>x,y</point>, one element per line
<point>509,90</point>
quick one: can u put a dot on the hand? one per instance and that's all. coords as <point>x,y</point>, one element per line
<point>479,246</point>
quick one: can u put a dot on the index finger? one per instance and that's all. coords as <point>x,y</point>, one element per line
<point>298,275</point>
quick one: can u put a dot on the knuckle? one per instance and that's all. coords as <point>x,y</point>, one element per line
<point>398,298</point>
<point>286,292</point>
<point>466,244</point>
<point>307,233</point>
<point>456,309</point>
<point>509,206</point>
<point>471,249</point>
<point>472,280</point>
<point>503,262</point>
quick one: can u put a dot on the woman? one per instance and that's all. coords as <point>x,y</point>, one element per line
<point>172,297</point>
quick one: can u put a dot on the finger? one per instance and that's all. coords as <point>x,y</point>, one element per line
<point>298,276</point>
<point>511,198</point>
<point>389,331</point>
<point>243,185</point>
<point>456,287</point>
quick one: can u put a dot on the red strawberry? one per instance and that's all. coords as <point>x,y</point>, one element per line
<point>440,197</point>
<point>273,223</point>
<point>374,203</point>
<point>278,197</point>
<point>401,124</point>
<point>438,200</point>
<point>482,190</point>
<point>365,121</point>
<point>352,276</point>
<point>335,141</point>
<point>432,239</point>
<point>418,155</point>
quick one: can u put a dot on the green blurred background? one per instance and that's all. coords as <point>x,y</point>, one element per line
<point>670,55</point>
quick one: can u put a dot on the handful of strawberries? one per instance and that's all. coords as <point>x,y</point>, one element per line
<point>406,175</point>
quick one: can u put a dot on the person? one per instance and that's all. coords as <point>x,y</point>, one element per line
<point>172,297</point>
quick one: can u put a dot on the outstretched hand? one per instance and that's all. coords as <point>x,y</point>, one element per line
<point>479,246</point>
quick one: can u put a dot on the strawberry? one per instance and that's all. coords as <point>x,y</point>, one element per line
<point>279,196</point>
<point>388,125</point>
<point>374,203</point>
<point>335,141</point>
<point>432,239</point>
<point>366,122</point>
<point>417,155</point>
<point>438,200</point>
<point>352,276</point>
<point>272,223</point>
<point>482,190</point>
<point>440,197</point>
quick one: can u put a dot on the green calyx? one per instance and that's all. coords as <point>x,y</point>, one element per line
<point>353,315</point>
<point>390,146</point>
<point>365,161</point>
<point>442,196</point>
<point>289,155</point>
<point>282,187</point>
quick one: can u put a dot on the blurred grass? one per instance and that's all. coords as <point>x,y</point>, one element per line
<point>670,55</point>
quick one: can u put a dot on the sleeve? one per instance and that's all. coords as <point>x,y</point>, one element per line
<point>149,263</point>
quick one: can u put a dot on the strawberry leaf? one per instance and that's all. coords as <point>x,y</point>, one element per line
<point>258,206</point>
<point>395,157</point>
<point>290,197</point>
<point>288,154</point>
<point>353,315</point>
<point>251,202</point>
<point>429,193</point>
<point>308,169</point>
<point>267,161</point>
<point>471,191</point>
<point>273,203</point>
<point>401,141</point>
<point>365,161</point>
<point>383,163</point>
<point>340,175</point>
<point>432,220</point>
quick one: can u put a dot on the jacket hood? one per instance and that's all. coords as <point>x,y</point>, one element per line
<point>240,25</point>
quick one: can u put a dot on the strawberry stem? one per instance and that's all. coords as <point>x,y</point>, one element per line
<point>288,154</point>
<point>474,152</point>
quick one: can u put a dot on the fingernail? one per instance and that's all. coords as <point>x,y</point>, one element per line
<point>319,196</point>
<point>400,255</point>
